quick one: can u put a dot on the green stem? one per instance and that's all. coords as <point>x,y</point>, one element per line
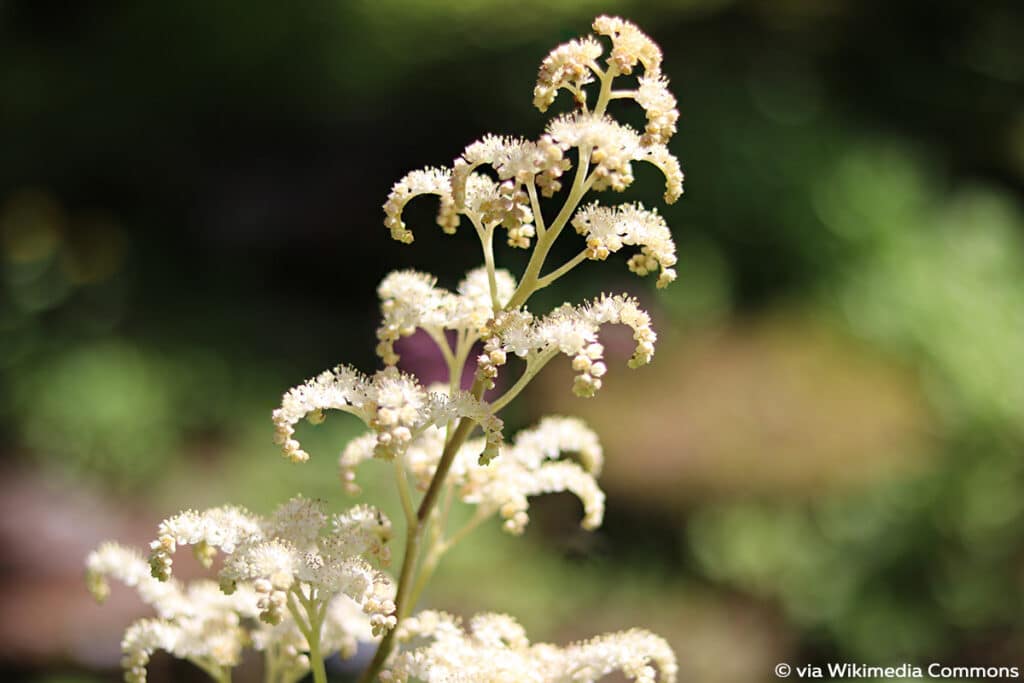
<point>580,185</point>
<point>486,236</point>
<point>300,606</point>
<point>316,619</point>
<point>438,549</point>
<point>216,672</point>
<point>270,665</point>
<point>533,366</point>
<point>316,660</point>
<point>561,270</point>
<point>409,585</point>
<point>403,489</point>
<point>538,217</point>
<point>414,535</point>
<point>528,283</point>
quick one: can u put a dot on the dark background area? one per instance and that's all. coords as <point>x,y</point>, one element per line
<point>823,464</point>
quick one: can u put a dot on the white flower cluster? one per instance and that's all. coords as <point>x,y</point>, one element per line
<point>610,148</point>
<point>200,623</point>
<point>572,330</point>
<point>275,554</point>
<point>495,649</point>
<point>630,45</point>
<point>615,147</point>
<point>299,581</point>
<point>394,404</point>
<point>532,465</point>
<point>411,300</point>
<point>427,181</point>
<point>608,229</point>
<point>570,66</point>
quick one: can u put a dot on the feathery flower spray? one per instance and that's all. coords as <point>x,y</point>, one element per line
<point>299,586</point>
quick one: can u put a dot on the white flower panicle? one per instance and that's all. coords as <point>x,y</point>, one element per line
<point>573,331</point>
<point>660,106</point>
<point>558,454</point>
<point>197,622</point>
<point>574,64</point>
<point>213,641</point>
<point>221,528</point>
<point>570,66</point>
<point>463,405</point>
<point>426,181</point>
<point>112,560</point>
<point>394,404</point>
<point>668,164</point>
<point>514,160</point>
<point>300,584</point>
<point>609,148</point>
<point>411,300</point>
<point>495,649</point>
<point>608,229</point>
<point>630,45</point>
<point>554,437</point>
<point>614,147</point>
<point>363,530</point>
<point>202,624</point>
<point>274,553</point>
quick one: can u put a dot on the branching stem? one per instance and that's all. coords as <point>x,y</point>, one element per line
<point>412,582</point>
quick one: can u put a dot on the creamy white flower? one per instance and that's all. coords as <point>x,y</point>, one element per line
<point>112,560</point>
<point>214,643</point>
<point>568,66</point>
<point>660,105</point>
<point>464,405</point>
<point>221,528</point>
<point>202,624</point>
<point>614,147</point>
<point>258,553</point>
<point>553,437</point>
<point>196,622</point>
<point>412,300</point>
<point>573,330</point>
<point>608,229</point>
<point>630,45</point>
<point>394,404</point>
<point>532,465</point>
<point>425,181</point>
<point>299,520</point>
<point>668,164</point>
<point>513,159</point>
<point>495,648</point>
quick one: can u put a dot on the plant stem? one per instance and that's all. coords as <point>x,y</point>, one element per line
<point>561,270</point>
<point>414,534</point>
<point>316,660</point>
<point>409,585</point>
<point>533,366</point>
<point>403,490</point>
<point>316,619</point>
<point>538,217</point>
<point>437,550</point>
<point>486,235</point>
<point>310,627</point>
<point>580,184</point>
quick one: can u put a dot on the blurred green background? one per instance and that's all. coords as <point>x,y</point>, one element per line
<point>825,462</point>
